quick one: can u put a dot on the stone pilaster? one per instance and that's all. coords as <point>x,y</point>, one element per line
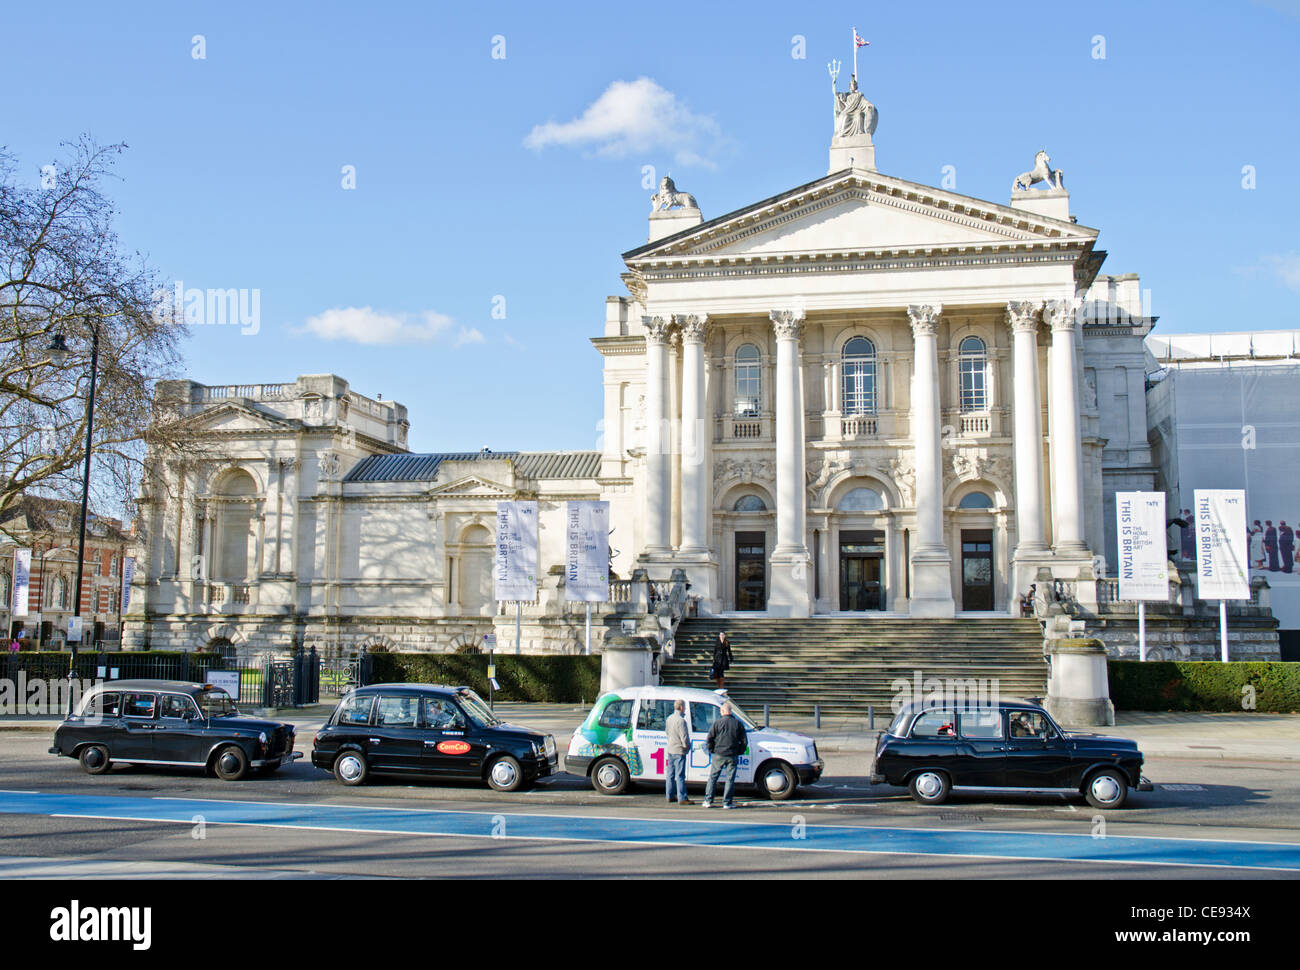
<point>790,594</point>
<point>931,561</point>
<point>658,451</point>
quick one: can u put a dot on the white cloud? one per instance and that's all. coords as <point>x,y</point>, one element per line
<point>1287,268</point>
<point>469,335</point>
<point>366,325</point>
<point>636,117</point>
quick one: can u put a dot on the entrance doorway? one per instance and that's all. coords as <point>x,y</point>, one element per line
<point>862,562</point>
<point>976,569</point>
<point>751,571</point>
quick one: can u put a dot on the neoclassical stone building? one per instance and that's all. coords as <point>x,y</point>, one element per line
<point>861,395</point>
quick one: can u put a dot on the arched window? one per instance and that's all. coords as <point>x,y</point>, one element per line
<point>749,381</point>
<point>973,363</point>
<point>859,377</point>
<point>975,500</point>
<point>750,503</point>
<point>862,500</point>
<point>234,495</point>
<point>59,594</point>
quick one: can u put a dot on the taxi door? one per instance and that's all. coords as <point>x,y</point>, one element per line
<point>702,714</point>
<point>651,737</point>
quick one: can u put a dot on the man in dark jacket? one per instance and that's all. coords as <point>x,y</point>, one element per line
<point>726,742</point>
<point>1270,545</point>
<point>1286,545</point>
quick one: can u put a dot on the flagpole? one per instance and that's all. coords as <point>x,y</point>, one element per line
<point>855,52</point>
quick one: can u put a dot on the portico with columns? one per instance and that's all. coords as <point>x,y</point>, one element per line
<point>862,395</point>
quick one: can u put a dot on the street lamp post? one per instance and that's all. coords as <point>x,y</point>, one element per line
<point>59,354</point>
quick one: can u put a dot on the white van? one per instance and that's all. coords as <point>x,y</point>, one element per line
<point>624,740</point>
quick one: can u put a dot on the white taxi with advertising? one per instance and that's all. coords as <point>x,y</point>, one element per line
<point>624,740</point>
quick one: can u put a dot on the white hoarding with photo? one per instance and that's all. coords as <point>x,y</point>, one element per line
<point>1143,559</point>
<point>22,582</point>
<point>586,570</point>
<point>1222,566</point>
<point>515,565</point>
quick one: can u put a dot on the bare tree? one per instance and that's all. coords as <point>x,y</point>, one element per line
<point>64,273</point>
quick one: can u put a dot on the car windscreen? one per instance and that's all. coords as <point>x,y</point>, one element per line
<point>217,703</point>
<point>477,709</point>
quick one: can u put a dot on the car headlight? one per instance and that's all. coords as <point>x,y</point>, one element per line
<point>262,737</point>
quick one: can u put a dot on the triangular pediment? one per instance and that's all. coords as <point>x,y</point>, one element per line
<point>859,212</point>
<point>471,486</point>
<point>231,417</point>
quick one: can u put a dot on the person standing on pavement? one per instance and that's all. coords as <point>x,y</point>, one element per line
<point>679,747</point>
<point>722,660</point>
<point>726,743</point>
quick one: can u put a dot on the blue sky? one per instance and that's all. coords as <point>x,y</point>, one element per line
<point>234,173</point>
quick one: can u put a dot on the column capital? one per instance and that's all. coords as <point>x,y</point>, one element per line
<point>788,324</point>
<point>694,326</point>
<point>1061,315</point>
<point>656,329</point>
<point>924,319</point>
<point>1023,315</point>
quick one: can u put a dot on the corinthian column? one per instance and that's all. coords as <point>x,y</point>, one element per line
<point>931,561</point>
<point>791,564</point>
<point>658,442</point>
<point>1066,447</point>
<point>1027,429</point>
<point>695,436</point>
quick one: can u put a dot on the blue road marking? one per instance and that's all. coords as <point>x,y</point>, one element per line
<point>1044,846</point>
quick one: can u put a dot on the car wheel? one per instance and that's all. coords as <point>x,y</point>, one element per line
<point>609,776</point>
<point>350,768</point>
<point>230,764</point>
<point>505,774</point>
<point>1106,789</point>
<point>778,781</point>
<point>94,759</point>
<point>930,787</point>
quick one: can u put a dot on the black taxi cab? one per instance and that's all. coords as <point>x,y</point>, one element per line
<point>433,731</point>
<point>171,723</point>
<point>935,747</point>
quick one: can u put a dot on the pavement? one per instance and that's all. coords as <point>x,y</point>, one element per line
<point>1244,736</point>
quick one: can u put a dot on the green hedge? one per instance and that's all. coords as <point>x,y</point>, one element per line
<point>552,679</point>
<point>1206,685</point>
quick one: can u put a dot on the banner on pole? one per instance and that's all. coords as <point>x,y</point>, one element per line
<point>1143,558</point>
<point>1222,569</point>
<point>22,581</point>
<point>586,571</point>
<point>516,552</point>
<point>128,577</point>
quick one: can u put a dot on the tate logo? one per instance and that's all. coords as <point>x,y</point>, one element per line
<point>102,924</point>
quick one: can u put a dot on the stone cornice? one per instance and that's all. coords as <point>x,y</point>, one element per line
<point>884,259</point>
<point>619,346</point>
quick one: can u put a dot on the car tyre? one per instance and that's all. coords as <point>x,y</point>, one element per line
<point>610,776</point>
<point>230,764</point>
<point>778,781</point>
<point>1107,788</point>
<point>930,787</point>
<point>505,773</point>
<point>94,759</point>
<point>350,768</point>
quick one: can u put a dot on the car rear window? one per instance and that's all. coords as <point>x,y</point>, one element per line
<point>617,714</point>
<point>356,710</point>
<point>105,704</point>
<point>935,724</point>
<point>397,711</point>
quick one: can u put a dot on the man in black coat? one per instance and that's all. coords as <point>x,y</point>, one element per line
<point>1286,545</point>
<point>727,741</point>
<point>1270,545</point>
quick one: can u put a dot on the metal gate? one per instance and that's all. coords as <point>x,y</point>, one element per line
<point>339,675</point>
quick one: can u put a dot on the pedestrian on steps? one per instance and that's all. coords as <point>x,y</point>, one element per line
<point>722,659</point>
